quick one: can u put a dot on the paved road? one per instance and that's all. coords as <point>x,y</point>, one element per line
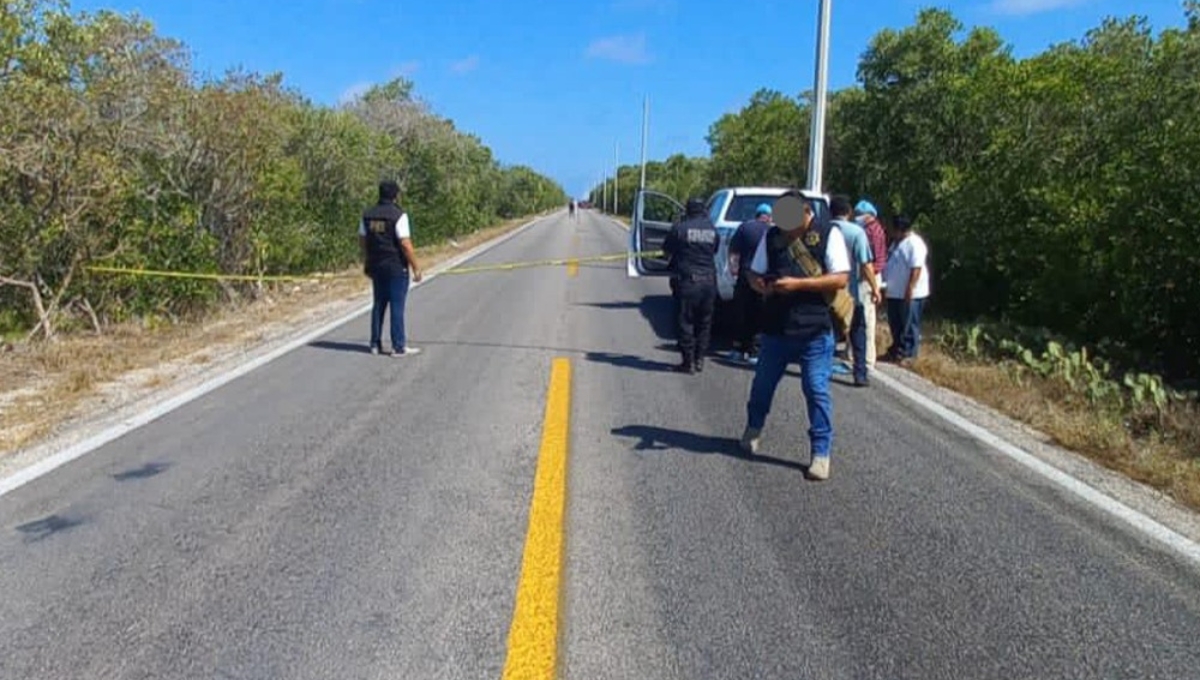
<point>338,515</point>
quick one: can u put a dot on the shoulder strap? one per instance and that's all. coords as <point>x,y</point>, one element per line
<point>804,258</point>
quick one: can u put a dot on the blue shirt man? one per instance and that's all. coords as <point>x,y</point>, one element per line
<point>864,287</point>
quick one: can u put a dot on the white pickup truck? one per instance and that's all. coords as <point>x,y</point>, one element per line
<point>654,213</point>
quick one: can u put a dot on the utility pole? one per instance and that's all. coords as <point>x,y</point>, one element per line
<point>645,127</point>
<point>604,203</point>
<point>616,175</point>
<point>816,158</point>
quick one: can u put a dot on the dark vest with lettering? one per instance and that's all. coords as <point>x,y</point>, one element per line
<point>384,255</point>
<point>801,316</point>
<point>693,262</point>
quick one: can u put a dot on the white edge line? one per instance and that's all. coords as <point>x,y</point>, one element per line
<point>1179,543</point>
<point>57,460</point>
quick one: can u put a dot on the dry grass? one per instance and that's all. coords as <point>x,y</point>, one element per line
<point>45,385</point>
<point>1161,452</point>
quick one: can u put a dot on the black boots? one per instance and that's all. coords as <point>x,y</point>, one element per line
<point>689,365</point>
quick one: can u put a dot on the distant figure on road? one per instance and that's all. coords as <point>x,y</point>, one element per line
<point>388,258</point>
<point>746,301</point>
<point>571,207</point>
<point>691,246</point>
<point>907,290</point>
<point>797,327</point>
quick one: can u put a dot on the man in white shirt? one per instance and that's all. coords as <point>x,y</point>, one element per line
<point>907,277</point>
<point>795,321</point>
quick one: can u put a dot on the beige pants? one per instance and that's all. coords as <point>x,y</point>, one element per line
<point>869,315</point>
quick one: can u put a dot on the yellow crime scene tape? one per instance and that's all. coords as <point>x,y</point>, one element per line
<point>507,266</point>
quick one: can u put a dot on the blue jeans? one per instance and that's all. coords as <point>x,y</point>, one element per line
<point>389,291</point>
<point>858,340</point>
<point>904,318</point>
<point>815,358</point>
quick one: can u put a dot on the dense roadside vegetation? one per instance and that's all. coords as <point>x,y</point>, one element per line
<point>112,152</point>
<point>1058,192</point>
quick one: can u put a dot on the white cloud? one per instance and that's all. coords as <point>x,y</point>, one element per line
<point>406,69</point>
<point>465,65</point>
<point>354,92</point>
<point>403,70</point>
<point>625,49</point>
<point>1026,7</point>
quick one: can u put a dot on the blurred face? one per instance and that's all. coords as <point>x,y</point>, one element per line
<point>793,214</point>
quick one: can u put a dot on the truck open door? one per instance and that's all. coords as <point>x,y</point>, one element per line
<point>653,215</point>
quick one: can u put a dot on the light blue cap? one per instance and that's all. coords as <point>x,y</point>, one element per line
<point>866,208</point>
<point>763,209</point>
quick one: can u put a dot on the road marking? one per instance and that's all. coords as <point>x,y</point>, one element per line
<point>1180,544</point>
<point>533,637</point>
<point>27,474</point>
<point>573,264</point>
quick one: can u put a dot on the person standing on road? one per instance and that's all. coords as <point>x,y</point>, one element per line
<point>692,246</point>
<point>572,208</point>
<point>864,288</point>
<point>907,290</point>
<point>385,238</point>
<point>797,326</point>
<point>746,301</point>
<point>868,218</point>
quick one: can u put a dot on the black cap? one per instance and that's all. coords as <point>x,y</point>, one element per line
<point>694,207</point>
<point>388,190</point>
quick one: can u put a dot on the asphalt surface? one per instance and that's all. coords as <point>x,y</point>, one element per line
<point>339,515</point>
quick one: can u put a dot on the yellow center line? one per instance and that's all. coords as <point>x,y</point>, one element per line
<point>533,637</point>
<point>573,265</point>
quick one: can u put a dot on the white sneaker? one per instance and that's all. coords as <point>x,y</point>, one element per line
<point>819,468</point>
<point>750,439</point>
<point>408,351</point>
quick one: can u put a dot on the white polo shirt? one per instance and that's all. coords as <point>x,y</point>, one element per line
<point>905,257</point>
<point>837,258</point>
<point>402,228</point>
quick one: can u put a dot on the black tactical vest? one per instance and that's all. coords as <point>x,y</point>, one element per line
<point>384,255</point>
<point>697,242</point>
<point>796,315</point>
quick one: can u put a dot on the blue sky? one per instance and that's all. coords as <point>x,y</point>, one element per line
<point>558,84</point>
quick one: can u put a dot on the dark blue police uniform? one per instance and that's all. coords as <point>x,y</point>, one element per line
<point>691,246</point>
<point>388,268</point>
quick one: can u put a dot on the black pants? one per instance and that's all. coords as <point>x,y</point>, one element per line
<point>747,304</point>
<point>694,304</point>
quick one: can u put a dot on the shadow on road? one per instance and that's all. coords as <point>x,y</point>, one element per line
<point>359,347</point>
<point>651,438</point>
<point>144,472</point>
<point>659,310</point>
<point>629,361</point>
<point>611,358</point>
<point>46,527</point>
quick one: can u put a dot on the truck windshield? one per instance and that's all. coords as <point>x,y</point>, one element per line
<point>741,208</point>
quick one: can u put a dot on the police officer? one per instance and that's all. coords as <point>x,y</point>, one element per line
<point>386,241</point>
<point>691,246</point>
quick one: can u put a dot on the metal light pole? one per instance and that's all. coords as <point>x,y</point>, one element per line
<point>616,175</point>
<point>645,127</point>
<point>816,158</point>
<point>604,203</point>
